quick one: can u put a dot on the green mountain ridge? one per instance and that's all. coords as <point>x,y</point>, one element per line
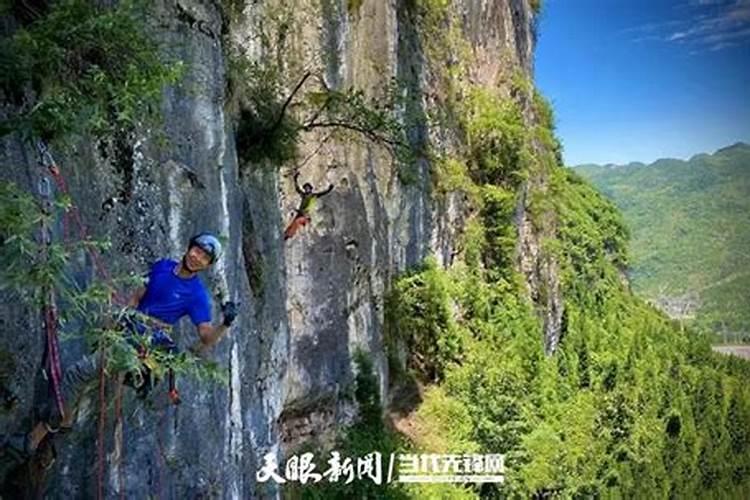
<point>737,146</point>
<point>690,226</point>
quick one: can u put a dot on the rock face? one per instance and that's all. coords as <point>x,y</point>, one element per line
<point>306,304</point>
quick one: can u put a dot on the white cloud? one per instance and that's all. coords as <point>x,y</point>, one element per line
<point>702,25</point>
<point>737,36</point>
<point>722,45</point>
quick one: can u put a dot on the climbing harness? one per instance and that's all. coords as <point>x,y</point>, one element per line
<point>141,325</point>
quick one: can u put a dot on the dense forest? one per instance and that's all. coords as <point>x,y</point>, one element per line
<point>690,233</point>
<point>553,361</point>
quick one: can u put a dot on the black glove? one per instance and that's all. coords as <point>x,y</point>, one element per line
<point>230,312</point>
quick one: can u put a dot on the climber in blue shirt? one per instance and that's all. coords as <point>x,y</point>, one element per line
<point>173,290</point>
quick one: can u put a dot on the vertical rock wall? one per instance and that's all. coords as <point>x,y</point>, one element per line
<point>306,305</point>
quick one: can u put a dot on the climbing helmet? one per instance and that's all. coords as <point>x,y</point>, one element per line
<point>208,243</point>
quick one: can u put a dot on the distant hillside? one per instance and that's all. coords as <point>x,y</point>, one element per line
<point>690,225</point>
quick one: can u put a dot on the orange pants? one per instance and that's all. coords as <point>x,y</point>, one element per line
<point>296,224</point>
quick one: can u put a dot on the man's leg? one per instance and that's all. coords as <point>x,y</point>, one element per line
<point>295,226</point>
<point>18,448</point>
<point>74,382</point>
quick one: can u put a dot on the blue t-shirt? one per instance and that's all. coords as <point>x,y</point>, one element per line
<point>169,297</point>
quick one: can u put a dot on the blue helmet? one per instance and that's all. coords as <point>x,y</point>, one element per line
<point>208,243</point>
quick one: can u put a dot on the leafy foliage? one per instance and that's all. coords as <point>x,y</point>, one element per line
<point>594,232</point>
<point>630,405</point>
<point>352,111</point>
<point>497,213</point>
<point>265,132</point>
<point>29,268</point>
<point>82,68</point>
<point>452,175</point>
<point>626,393</point>
<point>496,138</point>
<point>420,313</point>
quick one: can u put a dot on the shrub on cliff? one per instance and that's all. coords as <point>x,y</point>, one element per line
<point>81,67</point>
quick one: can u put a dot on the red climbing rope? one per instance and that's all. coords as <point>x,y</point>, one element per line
<point>119,437</point>
<point>102,423</point>
<point>47,161</point>
<point>53,352</point>
<point>51,322</point>
<point>50,310</point>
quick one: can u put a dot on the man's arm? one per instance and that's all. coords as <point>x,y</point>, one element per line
<point>323,193</point>
<point>209,334</point>
<point>296,183</point>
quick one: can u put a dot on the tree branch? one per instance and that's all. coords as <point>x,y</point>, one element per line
<point>355,128</point>
<point>288,101</point>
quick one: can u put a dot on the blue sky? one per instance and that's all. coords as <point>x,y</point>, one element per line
<point>638,80</point>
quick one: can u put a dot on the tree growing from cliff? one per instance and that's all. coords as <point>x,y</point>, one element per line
<point>270,125</point>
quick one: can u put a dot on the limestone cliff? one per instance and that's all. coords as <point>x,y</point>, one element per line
<point>306,304</point>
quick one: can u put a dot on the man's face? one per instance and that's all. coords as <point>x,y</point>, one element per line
<point>196,259</point>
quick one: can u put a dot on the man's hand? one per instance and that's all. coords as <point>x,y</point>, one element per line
<point>230,313</point>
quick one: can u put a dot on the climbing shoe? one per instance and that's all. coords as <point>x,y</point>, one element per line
<point>45,455</point>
